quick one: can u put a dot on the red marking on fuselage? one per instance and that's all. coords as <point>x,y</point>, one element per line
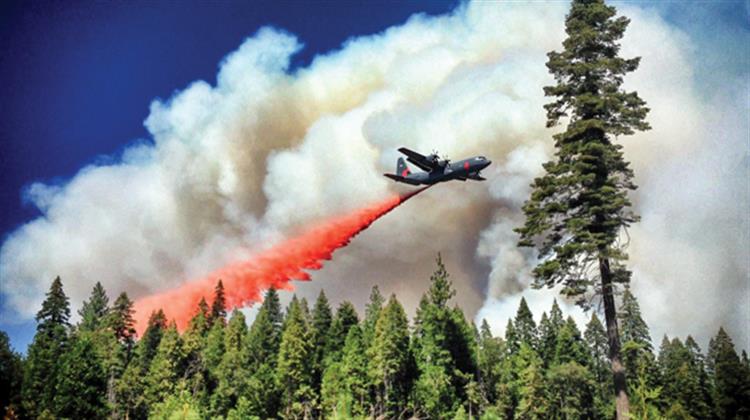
<point>405,173</point>
<point>466,165</point>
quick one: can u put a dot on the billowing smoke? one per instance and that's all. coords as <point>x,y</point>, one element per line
<point>267,151</point>
<point>275,267</point>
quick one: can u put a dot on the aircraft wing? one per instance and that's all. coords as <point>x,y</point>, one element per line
<point>477,177</point>
<point>419,160</point>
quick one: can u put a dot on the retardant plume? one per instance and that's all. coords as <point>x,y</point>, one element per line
<point>275,267</point>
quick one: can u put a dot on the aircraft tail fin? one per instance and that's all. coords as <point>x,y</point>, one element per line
<point>401,168</point>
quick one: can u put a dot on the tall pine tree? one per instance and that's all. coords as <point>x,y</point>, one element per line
<point>94,310</point>
<point>49,345</point>
<point>579,207</point>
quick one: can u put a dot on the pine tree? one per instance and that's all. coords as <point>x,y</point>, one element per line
<point>293,371</point>
<point>681,380</point>
<point>701,403</point>
<point>372,313</point>
<point>389,360</point>
<point>120,320</point>
<point>321,326</point>
<point>130,400</point>
<point>444,348</point>
<point>49,345</point>
<point>94,310</point>
<point>219,305</point>
<point>166,368</point>
<point>346,317</point>
<point>530,386</point>
<point>351,394</point>
<point>570,346</point>
<point>571,390</point>
<point>231,372</point>
<point>511,338</point>
<point>489,360</point>
<point>632,325</point>
<point>596,341</point>
<point>82,385</point>
<point>525,325</point>
<point>549,328</point>
<point>11,376</point>
<point>731,385</point>
<point>580,205</point>
<point>262,349</point>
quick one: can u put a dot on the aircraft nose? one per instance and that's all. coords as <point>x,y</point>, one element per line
<point>489,162</point>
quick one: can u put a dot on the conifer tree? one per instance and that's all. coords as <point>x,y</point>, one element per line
<point>293,371</point>
<point>632,325</point>
<point>218,306</point>
<point>389,360</point>
<point>262,350</point>
<point>525,326</point>
<point>513,343</point>
<point>681,381</point>
<point>321,326</point>
<point>346,317</point>
<point>353,393</point>
<point>11,376</point>
<point>489,360</point>
<point>120,320</point>
<point>701,403</point>
<point>444,349</point>
<point>49,345</point>
<point>731,386</point>
<point>130,400</point>
<point>372,313</point>
<point>530,387</point>
<point>579,207</point>
<point>166,368</point>
<point>94,310</point>
<point>596,341</point>
<point>549,328</point>
<point>570,346</point>
<point>571,392</point>
<point>231,372</point>
<point>82,383</point>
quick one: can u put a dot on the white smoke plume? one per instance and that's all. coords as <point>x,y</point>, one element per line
<point>239,165</point>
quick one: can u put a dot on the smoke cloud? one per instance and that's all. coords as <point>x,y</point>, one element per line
<point>267,151</point>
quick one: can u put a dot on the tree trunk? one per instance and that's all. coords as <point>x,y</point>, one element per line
<point>613,334</point>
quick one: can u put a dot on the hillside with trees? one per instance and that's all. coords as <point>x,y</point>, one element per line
<point>314,361</point>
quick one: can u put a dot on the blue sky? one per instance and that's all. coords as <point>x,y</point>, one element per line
<point>78,77</point>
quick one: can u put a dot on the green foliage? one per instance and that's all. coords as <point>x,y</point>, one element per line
<point>94,310</point>
<point>82,382</point>
<point>166,368</point>
<point>580,204</point>
<point>731,379</point>
<point>389,359</point>
<point>442,368</point>
<point>218,305</point>
<point>632,326</point>
<point>293,374</point>
<point>180,406</point>
<point>444,348</point>
<point>11,375</point>
<point>48,347</point>
<point>524,324</point>
<point>571,392</point>
<point>570,346</point>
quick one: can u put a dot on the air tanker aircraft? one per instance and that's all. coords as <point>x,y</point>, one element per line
<point>436,169</point>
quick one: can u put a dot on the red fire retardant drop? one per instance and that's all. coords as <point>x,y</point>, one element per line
<point>245,281</point>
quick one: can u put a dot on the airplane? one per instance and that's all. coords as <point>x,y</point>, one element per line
<point>436,169</point>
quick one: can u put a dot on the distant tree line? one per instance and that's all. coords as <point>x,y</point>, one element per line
<point>305,363</point>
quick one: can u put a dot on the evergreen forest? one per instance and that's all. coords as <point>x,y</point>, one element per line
<point>314,361</point>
